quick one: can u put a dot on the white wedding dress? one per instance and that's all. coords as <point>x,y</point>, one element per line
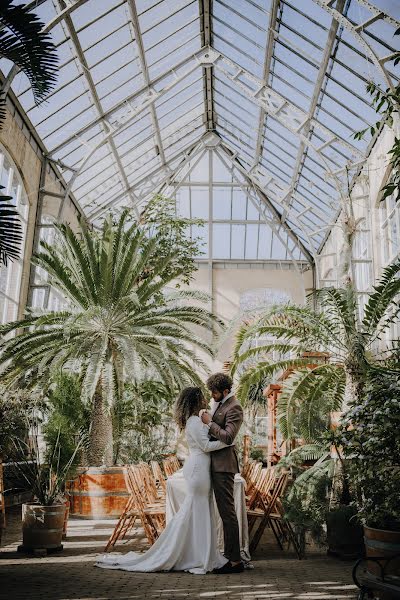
<point>189,542</point>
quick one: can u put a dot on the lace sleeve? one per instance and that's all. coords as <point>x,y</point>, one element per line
<point>199,433</point>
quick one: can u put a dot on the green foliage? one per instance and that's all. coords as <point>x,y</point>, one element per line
<point>17,407</point>
<point>159,219</point>
<point>387,104</point>
<point>115,328</point>
<point>45,478</point>
<point>311,393</point>
<point>23,42</point>
<point>305,508</point>
<point>257,454</point>
<point>142,418</point>
<point>10,230</point>
<point>372,443</point>
<point>68,418</point>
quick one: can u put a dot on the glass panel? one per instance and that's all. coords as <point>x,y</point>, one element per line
<point>220,171</point>
<point>201,171</point>
<point>221,240</point>
<point>238,241</point>
<point>239,203</point>
<point>199,202</point>
<point>222,203</point>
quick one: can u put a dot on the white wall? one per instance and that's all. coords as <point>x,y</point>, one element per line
<point>230,281</point>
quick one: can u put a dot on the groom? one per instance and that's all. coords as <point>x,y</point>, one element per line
<point>224,425</point>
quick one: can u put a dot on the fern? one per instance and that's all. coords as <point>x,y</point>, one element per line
<point>310,394</point>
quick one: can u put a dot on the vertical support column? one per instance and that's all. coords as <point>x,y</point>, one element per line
<point>210,236</point>
<point>36,235</point>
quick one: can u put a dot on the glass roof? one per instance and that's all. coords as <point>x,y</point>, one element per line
<point>272,90</point>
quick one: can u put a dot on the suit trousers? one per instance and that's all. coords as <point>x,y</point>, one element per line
<point>223,489</point>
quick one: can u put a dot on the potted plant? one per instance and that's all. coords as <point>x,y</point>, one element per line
<point>43,519</point>
<point>319,501</point>
<point>372,443</point>
<point>120,324</point>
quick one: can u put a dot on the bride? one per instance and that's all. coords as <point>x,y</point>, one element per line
<point>189,542</point>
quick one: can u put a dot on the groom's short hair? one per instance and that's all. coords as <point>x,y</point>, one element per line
<point>219,382</point>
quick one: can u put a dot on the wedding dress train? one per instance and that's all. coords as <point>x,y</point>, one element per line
<point>189,542</point>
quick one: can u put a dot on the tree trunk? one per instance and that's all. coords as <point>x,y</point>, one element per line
<point>353,387</point>
<point>100,450</point>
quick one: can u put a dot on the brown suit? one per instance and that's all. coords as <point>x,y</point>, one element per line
<point>225,426</point>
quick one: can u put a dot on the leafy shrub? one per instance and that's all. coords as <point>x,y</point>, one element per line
<point>16,407</point>
<point>372,442</point>
<point>68,418</point>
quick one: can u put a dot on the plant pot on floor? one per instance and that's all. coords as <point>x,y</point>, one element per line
<point>344,533</point>
<point>42,527</point>
<point>98,493</point>
<point>382,543</point>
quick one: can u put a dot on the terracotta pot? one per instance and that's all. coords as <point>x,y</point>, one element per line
<point>42,526</point>
<point>382,543</point>
<point>98,493</point>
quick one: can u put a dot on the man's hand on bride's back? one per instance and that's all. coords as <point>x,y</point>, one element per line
<point>206,418</point>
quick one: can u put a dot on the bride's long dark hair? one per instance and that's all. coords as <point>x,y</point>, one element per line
<point>190,402</point>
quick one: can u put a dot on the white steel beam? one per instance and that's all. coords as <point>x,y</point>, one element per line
<point>274,104</point>
<point>206,41</point>
<point>145,71</point>
<point>96,101</point>
<point>132,113</point>
<point>344,21</point>
<point>271,208</point>
<point>307,130</point>
<point>163,173</point>
<point>144,96</point>
<point>269,51</point>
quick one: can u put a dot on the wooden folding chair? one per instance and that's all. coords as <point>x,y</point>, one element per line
<point>171,465</point>
<point>252,476</point>
<point>246,469</point>
<point>128,518</point>
<point>260,496</point>
<point>159,477</point>
<point>281,527</point>
<point>151,511</point>
<point>265,499</point>
<point>151,490</point>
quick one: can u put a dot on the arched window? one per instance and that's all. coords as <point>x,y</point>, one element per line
<point>256,300</point>
<point>11,276</point>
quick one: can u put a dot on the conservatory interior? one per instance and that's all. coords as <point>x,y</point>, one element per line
<point>199,209</point>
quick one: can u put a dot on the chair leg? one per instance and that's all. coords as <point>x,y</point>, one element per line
<point>292,538</point>
<point>258,533</point>
<point>274,531</point>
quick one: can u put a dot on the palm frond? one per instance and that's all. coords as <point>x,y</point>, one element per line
<point>10,230</point>
<point>23,42</point>
<point>376,318</point>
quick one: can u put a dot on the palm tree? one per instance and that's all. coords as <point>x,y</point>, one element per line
<point>311,393</point>
<point>120,323</point>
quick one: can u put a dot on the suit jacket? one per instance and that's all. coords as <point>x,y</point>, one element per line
<point>225,425</point>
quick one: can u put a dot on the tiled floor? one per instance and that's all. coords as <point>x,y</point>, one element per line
<point>70,574</point>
